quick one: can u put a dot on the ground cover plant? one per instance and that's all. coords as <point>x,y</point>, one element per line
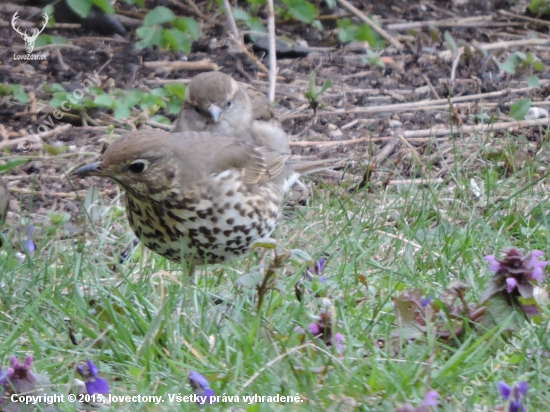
<point>411,278</point>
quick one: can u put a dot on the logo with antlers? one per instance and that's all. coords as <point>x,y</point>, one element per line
<point>29,40</point>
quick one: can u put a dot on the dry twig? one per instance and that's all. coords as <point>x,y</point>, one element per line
<point>231,20</point>
<point>272,50</point>
<point>168,67</point>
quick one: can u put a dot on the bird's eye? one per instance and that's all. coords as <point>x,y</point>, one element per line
<point>138,166</point>
<point>229,103</point>
<point>197,109</point>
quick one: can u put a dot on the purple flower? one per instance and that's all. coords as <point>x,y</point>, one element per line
<point>126,252</point>
<point>18,377</point>
<point>516,270</point>
<point>503,389</point>
<point>494,264</point>
<point>202,388</point>
<point>425,302</point>
<point>94,384</point>
<point>513,395</point>
<point>318,267</point>
<point>28,245</point>
<point>5,375</point>
<point>516,406</point>
<point>338,342</point>
<point>511,284</point>
<point>430,399</point>
<point>322,329</point>
<point>314,329</point>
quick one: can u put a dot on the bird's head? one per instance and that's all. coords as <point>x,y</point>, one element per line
<point>141,162</point>
<point>215,97</point>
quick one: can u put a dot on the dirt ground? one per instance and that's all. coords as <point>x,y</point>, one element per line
<point>357,106</point>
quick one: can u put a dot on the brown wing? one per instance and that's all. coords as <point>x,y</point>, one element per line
<point>262,109</point>
<point>206,153</point>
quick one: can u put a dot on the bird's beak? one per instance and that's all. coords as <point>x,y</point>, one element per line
<point>215,112</point>
<point>93,169</point>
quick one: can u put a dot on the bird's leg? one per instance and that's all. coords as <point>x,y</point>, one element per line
<point>190,270</point>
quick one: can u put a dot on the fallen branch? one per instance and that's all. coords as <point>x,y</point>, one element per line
<point>250,55</point>
<point>167,66</point>
<point>231,20</point>
<point>35,138</point>
<point>425,104</point>
<point>466,22</point>
<point>428,134</point>
<point>272,50</point>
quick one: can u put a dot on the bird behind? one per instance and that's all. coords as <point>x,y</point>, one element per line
<point>215,102</point>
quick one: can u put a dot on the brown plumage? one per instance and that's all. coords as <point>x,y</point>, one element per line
<point>215,102</point>
<point>201,196</point>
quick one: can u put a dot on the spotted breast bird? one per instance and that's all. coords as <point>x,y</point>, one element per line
<point>200,196</point>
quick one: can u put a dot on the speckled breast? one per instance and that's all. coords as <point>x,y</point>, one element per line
<point>213,222</point>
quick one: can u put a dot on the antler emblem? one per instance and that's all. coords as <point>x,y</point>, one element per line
<point>29,40</point>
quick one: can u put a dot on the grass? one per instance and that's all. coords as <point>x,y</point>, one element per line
<point>146,325</point>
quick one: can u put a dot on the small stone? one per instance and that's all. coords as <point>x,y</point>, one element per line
<point>536,113</point>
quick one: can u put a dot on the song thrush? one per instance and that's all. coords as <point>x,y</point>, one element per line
<point>203,197</point>
<point>215,102</point>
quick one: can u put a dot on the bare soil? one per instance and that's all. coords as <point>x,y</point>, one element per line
<point>422,71</point>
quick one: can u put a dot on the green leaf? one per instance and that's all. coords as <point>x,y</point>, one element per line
<point>174,105</point>
<point>538,65</point>
<point>365,33</point>
<point>10,164</point>
<point>451,44</point>
<point>346,30</point>
<point>105,5</point>
<point>151,36</point>
<point>54,150</point>
<point>132,97</point>
<point>104,100</point>
<point>159,15</point>
<point>325,86</point>
<point>187,25</point>
<point>159,92</point>
<point>176,89</point>
<point>121,112</point>
<point>509,66</point>
<point>44,39</point>
<point>80,7</point>
<point>59,218</point>
<point>301,10</point>
<point>161,119</point>
<point>240,14</point>
<point>519,109</point>
<point>20,94</point>
<point>177,40</point>
<point>533,81</point>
